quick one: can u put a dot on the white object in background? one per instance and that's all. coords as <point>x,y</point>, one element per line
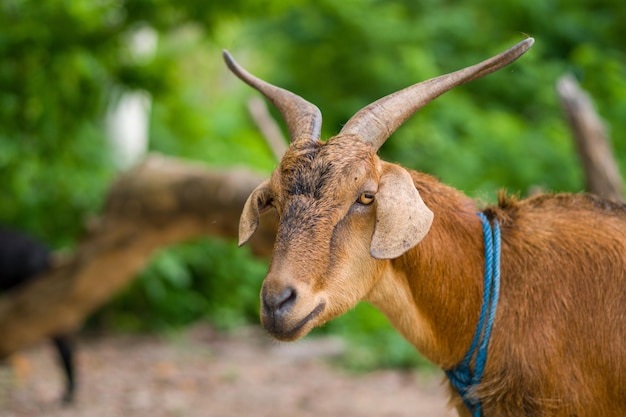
<point>127,121</point>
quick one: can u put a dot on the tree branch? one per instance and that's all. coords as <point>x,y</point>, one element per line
<point>601,171</point>
<point>268,127</point>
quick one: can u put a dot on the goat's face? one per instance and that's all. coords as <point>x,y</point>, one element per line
<point>341,209</point>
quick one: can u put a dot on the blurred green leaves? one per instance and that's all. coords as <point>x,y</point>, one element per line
<point>204,280</point>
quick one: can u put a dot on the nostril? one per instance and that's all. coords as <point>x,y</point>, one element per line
<point>286,299</point>
<point>279,303</point>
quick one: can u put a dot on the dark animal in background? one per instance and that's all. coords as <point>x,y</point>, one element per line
<point>22,259</point>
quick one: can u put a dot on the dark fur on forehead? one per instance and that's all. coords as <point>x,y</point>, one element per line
<point>308,166</point>
<point>298,176</point>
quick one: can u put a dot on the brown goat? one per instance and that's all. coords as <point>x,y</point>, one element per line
<point>349,228</point>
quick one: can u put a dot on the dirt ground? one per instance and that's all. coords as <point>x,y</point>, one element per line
<point>208,374</point>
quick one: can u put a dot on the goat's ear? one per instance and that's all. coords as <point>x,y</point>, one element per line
<point>402,218</point>
<point>257,203</point>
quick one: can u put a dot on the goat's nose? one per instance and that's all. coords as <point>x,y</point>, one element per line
<point>279,303</point>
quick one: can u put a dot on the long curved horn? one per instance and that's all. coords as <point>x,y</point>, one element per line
<point>376,122</point>
<point>303,119</point>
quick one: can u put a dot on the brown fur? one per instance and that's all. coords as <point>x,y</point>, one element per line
<point>557,347</point>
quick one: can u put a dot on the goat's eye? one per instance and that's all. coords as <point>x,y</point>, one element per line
<point>366,198</point>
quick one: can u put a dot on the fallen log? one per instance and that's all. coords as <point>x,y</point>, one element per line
<point>161,202</point>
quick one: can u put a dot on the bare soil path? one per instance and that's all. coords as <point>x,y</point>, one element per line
<point>202,373</point>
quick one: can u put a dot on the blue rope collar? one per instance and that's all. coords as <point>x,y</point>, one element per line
<point>462,377</point>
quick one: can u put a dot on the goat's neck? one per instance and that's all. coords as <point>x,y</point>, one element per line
<point>432,294</point>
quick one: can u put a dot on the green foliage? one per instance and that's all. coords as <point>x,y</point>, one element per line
<point>372,343</point>
<point>63,63</point>
<point>205,280</point>
<point>48,95</point>
<point>506,130</point>
<point>204,117</point>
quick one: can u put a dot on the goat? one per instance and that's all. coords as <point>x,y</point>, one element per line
<point>353,227</point>
<point>21,260</point>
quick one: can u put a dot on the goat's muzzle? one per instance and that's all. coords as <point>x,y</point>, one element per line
<point>281,318</point>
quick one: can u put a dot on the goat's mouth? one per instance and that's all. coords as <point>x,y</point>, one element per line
<point>281,330</point>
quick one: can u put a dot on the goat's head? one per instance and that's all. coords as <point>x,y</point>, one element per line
<point>341,208</point>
